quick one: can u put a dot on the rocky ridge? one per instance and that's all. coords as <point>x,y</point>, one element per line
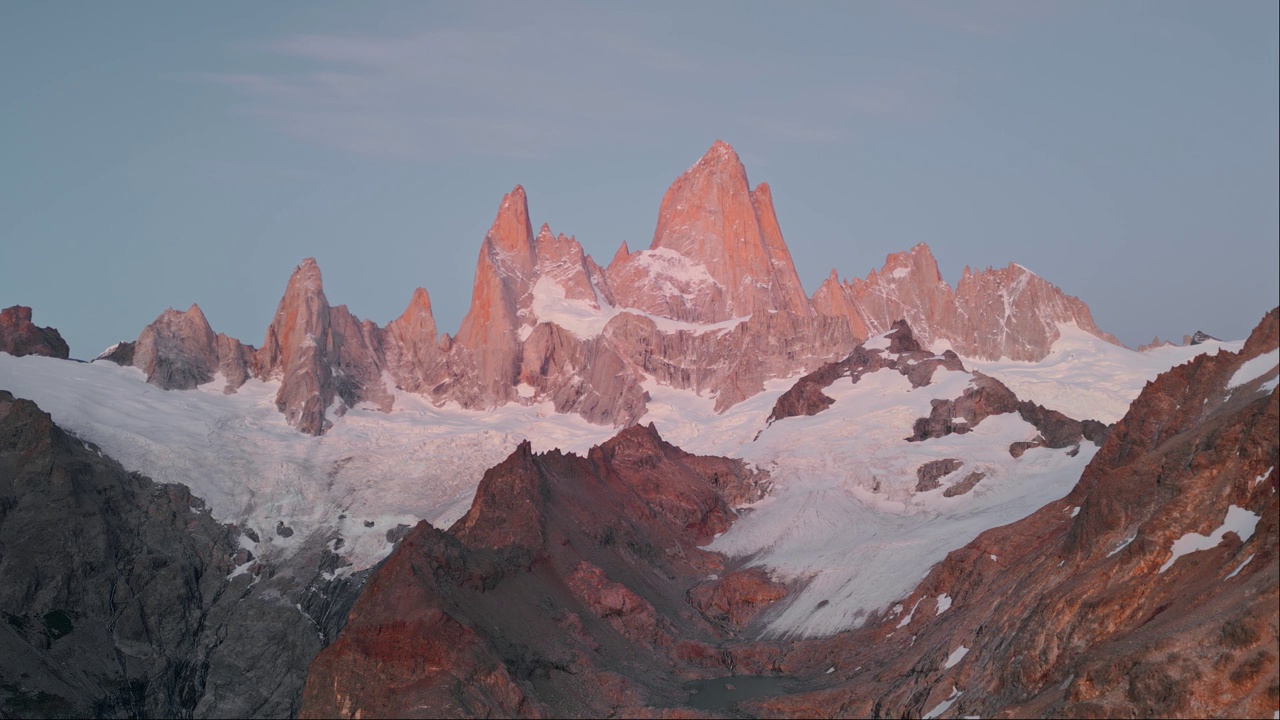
<point>19,336</point>
<point>543,601</point>
<point>561,592</point>
<point>1006,312</point>
<point>124,598</point>
<point>985,396</point>
<point>1149,590</point>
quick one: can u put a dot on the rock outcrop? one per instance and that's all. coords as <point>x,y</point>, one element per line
<point>123,597</point>
<point>179,351</point>
<point>561,592</point>
<point>902,353</point>
<point>19,336</point>
<point>413,352</point>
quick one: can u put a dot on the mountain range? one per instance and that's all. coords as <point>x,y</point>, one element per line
<point>713,305</point>
<point>672,486</point>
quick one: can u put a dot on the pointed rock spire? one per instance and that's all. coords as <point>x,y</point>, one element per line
<point>511,232</point>
<point>411,347</point>
<point>832,300</point>
<point>909,287</point>
<point>505,273</point>
<point>294,351</point>
<point>717,251</point>
<point>621,255</point>
<point>301,321</point>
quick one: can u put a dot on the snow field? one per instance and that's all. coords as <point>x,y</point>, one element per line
<point>843,516</point>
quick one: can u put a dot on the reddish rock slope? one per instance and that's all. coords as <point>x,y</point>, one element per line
<point>561,592</point>
<point>1083,609</point>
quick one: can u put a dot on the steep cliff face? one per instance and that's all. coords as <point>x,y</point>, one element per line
<point>180,351</point>
<point>717,253</point>
<point>123,597</point>
<point>561,592</point>
<point>1150,590</point>
<point>490,333</point>
<point>294,351</point>
<point>19,336</point>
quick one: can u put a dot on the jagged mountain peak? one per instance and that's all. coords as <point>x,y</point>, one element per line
<point>717,251</point>
<point>512,232</point>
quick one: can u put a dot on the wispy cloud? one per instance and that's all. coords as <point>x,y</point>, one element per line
<point>981,18</point>
<point>525,92</point>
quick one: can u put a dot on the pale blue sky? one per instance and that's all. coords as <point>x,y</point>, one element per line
<point>158,154</point>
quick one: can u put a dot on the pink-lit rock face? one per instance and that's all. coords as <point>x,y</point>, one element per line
<point>294,351</point>
<point>411,347</point>
<point>1012,312</point>
<point>714,305</point>
<point>1008,312</point>
<point>717,253</point>
<point>908,287</point>
<point>489,335</point>
<point>179,351</point>
<point>19,336</point>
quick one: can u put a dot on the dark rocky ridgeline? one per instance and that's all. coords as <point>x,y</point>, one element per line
<point>115,602</point>
<point>904,354</point>
<point>1083,614</point>
<point>19,336</point>
<point>569,589</point>
<point>988,396</point>
<point>985,397</point>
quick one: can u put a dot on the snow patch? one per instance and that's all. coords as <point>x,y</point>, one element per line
<point>944,603</point>
<point>1240,521</point>
<point>586,319</point>
<point>945,705</point>
<point>907,620</point>
<point>1263,477</point>
<point>1237,570</point>
<point>1085,377</point>
<point>106,352</point>
<point>955,657</point>
<point>1123,544</point>
<point>879,342</point>
<point>1253,369</point>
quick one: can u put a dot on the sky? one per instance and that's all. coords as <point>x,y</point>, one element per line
<point>157,154</point>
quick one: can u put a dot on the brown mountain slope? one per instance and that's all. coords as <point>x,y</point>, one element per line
<point>1083,609</point>
<point>561,592</point>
